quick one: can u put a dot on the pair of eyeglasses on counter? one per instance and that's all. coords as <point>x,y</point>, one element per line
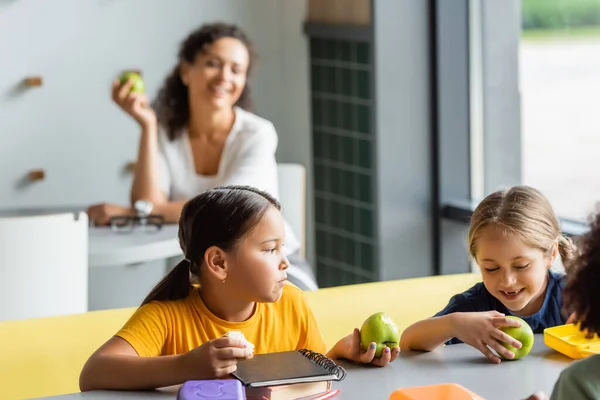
<point>126,223</point>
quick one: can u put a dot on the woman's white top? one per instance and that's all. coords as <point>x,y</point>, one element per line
<point>248,158</point>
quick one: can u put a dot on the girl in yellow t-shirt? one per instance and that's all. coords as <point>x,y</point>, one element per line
<point>233,278</point>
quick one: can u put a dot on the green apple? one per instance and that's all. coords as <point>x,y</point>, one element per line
<point>138,82</point>
<point>379,328</point>
<point>523,334</point>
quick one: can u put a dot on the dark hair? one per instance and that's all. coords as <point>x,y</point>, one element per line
<point>172,103</point>
<point>581,294</point>
<point>218,217</point>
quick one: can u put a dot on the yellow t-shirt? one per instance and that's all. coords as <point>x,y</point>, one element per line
<point>175,327</point>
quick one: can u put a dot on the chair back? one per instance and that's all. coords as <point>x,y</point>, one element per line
<point>292,196</point>
<point>43,265</point>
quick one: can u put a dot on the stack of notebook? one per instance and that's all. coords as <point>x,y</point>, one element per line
<point>284,375</point>
<point>287,375</point>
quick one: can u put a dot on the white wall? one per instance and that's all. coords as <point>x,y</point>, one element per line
<point>70,128</point>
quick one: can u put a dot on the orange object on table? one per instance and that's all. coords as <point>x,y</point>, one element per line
<point>444,391</point>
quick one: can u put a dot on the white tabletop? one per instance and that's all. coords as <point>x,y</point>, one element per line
<point>459,363</point>
<point>107,248</point>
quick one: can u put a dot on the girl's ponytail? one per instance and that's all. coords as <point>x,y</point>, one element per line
<point>567,251</point>
<point>174,286</point>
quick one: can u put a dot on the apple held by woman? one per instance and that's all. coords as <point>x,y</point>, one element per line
<point>137,81</point>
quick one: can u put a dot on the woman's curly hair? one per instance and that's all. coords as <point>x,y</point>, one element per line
<point>582,291</point>
<point>172,103</point>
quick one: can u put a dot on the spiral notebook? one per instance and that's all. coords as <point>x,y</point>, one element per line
<point>288,367</point>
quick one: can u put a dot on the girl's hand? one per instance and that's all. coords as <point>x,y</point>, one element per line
<point>349,348</point>
<point>214,359</point>
<point>134,104</point>
<point>481,329</point>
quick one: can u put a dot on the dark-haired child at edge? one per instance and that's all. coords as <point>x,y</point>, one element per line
<point>581,380</point>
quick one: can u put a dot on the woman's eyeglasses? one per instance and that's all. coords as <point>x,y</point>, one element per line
<point>126,223</point>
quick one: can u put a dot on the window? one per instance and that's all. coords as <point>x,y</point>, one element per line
<point>517,88</point>
<point>341,75</point>
<point>559,75</point>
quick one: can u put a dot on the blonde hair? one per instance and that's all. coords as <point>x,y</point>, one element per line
<point>525,212</point>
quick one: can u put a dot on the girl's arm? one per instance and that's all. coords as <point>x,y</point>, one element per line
<point>428,334</point>
<point>117,366</point>
<point>477,329</point>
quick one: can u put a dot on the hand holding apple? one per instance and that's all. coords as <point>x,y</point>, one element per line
<point>377,342</point>
<point>381,330</point>
<point>128,93</point>
<point>349,347</point>
<point>482,329</point>
<point>137,83</point>
<point>523,334</point>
